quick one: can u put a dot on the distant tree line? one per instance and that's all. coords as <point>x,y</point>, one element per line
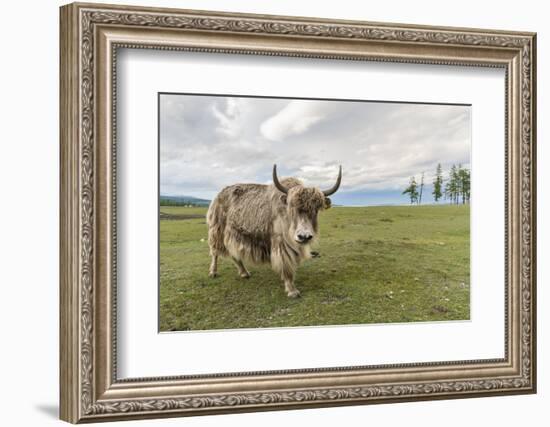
<point>455,189</point>
<point>187,203</point>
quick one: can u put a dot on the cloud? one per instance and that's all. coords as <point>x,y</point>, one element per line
<point>294,119</point>
<point>209,142</point>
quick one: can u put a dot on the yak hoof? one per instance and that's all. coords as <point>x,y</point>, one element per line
<point>212,274</point>
<point>293,294</point>
<point>245,275</point>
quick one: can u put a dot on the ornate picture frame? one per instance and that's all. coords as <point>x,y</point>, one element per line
<point>90,37</point>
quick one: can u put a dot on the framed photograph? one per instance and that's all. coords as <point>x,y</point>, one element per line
<point>266,212</point>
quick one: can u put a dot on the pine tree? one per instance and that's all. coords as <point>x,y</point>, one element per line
<point>412,191</point>
<point>467,181</point>
<point>438,183</point>
<point>458,181</point>
<point>464,178</point>
<point>451,188</point>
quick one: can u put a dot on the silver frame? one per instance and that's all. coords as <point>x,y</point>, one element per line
<point>90,37</point>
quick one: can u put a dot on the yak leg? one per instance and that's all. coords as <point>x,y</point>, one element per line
<point>282,263</point>
<point>214,266</point>
<point>243,272</point>
<point>291,290</point>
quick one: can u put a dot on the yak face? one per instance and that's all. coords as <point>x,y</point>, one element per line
<point>303,206</point>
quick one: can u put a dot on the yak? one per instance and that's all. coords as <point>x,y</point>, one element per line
<point>273,224</point>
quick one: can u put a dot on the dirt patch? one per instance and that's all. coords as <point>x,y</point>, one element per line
<point>439,309</point>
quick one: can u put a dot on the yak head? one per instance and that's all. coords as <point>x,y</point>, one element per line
<point>303,205</point>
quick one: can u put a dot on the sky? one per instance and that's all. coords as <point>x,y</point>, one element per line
<point>209,142</point>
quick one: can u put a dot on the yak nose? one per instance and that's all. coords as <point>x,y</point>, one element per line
<point>305,237</point>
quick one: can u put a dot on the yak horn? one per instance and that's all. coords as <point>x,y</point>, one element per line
<point>336,186</point>
<point>279,186</point>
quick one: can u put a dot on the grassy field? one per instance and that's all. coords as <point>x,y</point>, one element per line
<point>376,265</point>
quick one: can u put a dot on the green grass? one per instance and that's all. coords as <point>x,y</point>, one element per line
<point>376,265</point>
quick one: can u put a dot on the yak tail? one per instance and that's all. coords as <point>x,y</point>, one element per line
<point>215,218</point>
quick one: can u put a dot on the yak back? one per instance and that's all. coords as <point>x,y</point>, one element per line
<point>250,209</point>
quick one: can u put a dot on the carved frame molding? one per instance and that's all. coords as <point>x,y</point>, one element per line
<point>90,35</point>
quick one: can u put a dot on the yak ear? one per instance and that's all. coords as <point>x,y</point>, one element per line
<point>283,199</point>
<point>328,203</point>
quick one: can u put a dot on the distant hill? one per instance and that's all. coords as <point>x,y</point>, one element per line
<point>182,201</point>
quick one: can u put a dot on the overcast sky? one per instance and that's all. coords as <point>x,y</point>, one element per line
<point>208,142</point>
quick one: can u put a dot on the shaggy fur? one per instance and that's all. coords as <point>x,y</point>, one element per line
<point>259,224</point>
